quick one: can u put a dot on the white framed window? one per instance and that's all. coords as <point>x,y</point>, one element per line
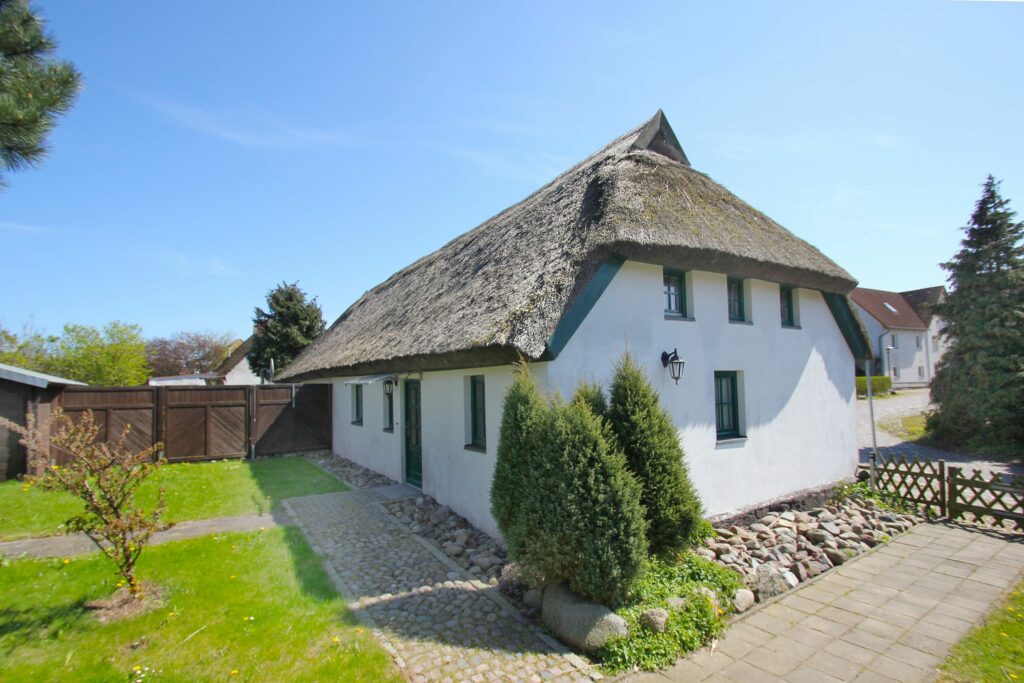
<point>894,341</point>
<point>920,372</point>
<point>917,342</point>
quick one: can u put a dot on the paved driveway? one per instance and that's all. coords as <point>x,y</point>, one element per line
<point>891,615</point>
<point>910,403</point>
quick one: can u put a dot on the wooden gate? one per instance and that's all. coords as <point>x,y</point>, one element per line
<point>207,423</point>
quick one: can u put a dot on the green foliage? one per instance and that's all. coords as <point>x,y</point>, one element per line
<point>563,498</point>
<point>289,326</point>
<point>114,356</point>
<point>34,87</point>
<point>592,394</point>
<point>880,384</point>
<point>885,499</point>
<point>978,388</point>
<point>645,433</point>
<point>687,629</point>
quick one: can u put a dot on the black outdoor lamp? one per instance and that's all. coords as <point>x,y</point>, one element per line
<point>389,386</point>
<point>674,363</point>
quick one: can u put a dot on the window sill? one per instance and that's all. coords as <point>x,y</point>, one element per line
<point>730,441</point>
<point>475,448</point>
<point>790,327</point>
<point>741,322</point>
<point>687,318</point>
<point>389,430</point>
<point>357,423</point>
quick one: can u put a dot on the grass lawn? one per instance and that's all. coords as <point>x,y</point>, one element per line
<point>237,607</point>
<point>993,651</point>
<point>909,427</point>
<point>193,490</point>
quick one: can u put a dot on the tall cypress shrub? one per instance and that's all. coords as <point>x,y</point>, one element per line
<point>646,435</point>
<point>608,518</point>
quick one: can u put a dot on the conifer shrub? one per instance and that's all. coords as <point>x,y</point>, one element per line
<point>563,498</point>
<point>592,393</point>
<point>645,433</point>
<point>604,505</point>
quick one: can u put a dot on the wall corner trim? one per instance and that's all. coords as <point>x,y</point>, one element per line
<point>582,305</point>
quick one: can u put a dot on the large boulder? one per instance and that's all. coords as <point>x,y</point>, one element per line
<point>743,599</point>
<point>768,582</point>
<point>584,625</point>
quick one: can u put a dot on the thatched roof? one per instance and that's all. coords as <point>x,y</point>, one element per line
<point>500,290</point>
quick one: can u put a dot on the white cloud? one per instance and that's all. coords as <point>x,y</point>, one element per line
<point>247,128</point>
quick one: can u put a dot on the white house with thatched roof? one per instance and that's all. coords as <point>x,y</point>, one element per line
<point>630,249</point>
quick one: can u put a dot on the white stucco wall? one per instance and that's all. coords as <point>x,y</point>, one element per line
<point>241,374</point>
<point>906,357</point>
<point>797,385</point>
<point>797,393</point>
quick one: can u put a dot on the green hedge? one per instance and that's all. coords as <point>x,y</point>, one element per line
<point>879,385</point>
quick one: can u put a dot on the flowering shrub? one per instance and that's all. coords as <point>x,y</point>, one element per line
<point>104,476</point>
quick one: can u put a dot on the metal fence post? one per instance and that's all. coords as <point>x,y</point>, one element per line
<point>872,461</point>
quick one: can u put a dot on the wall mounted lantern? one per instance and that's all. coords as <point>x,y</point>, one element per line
<point>389,386</point>
<point>674,363</point>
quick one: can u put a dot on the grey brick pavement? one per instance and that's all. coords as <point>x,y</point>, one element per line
<point>891,615</point>
<point>438,622</point>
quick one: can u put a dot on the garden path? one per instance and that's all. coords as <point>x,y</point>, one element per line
<point>79,544</point>
<point>438,621</point>
<point>890,615</point>
<point>912,402</point>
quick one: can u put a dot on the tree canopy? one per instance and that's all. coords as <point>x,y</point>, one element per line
<point>187,353</point>
<point>112,356</point>
<point>35,88</point>
<point>289,325</point>
<point>978,387</point>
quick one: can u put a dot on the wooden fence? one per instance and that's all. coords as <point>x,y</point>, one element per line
<point>948,491</point>
<point>206,423</point>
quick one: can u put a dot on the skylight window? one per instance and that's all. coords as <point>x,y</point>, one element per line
<point>890,307</point>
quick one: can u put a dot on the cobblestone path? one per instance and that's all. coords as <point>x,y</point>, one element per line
<point>438,622</point>
<point>891,615</point>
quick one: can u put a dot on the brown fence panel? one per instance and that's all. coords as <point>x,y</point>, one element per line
<point>112,409</point>
<point>292,418</point>
<point>205,422</point>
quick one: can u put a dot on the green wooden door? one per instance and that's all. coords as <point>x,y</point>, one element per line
<point>413,434</point>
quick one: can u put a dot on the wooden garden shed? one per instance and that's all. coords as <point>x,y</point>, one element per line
<point>22,391</point>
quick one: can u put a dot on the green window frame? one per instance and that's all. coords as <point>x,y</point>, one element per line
<point>786,309</point>
<point>477,413</point>
<point>357,404</point>
<point>389,411</point>
<point>674,292</point>
<point>737,304</point>
<point>727,406</point>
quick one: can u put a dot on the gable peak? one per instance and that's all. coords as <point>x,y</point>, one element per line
<point>657,136</point>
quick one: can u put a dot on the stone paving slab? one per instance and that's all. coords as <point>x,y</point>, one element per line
<point>438,622</point>
<point>79,544</point>
<point>890,615</point>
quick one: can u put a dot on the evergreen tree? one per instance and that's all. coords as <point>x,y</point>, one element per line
<point>592,394</point>
<point>288,327</point>
<point>978,388</point>
<point>646,435</point>
<point>34,87</point>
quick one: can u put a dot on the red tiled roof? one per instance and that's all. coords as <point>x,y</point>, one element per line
<point>889,308</point>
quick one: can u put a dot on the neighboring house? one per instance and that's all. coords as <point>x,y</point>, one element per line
<point>21,392</point>
<point>904,332</point>
<point>630,249</point>
<point>233,370</point>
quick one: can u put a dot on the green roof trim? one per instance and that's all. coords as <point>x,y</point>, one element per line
<point>585,301</point>
<point>850,325</point>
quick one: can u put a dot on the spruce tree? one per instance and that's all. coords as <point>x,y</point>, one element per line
<point>289,325</point>
<point>978,388</point>
<point>646,435</point>
<point>34,87</point>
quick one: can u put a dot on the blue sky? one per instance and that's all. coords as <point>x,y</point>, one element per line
<point>219,148</point>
